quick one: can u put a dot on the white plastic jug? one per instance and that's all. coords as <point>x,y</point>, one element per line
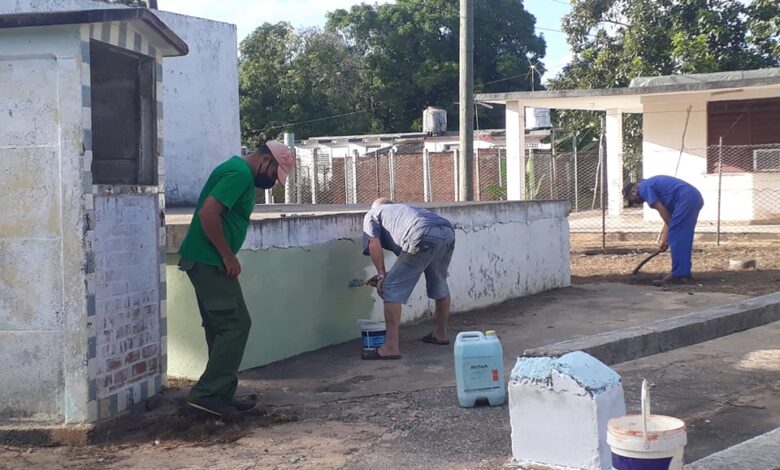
<point>646,441</point>
<point>479,368</point>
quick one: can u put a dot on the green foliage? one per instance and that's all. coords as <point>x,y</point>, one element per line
<point>384,63</point>
<point>293,76</point>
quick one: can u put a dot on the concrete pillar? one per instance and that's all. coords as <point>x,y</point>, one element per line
<point>314,175</point>
<point>614,137</point>
<point>391,172</point>
<point>559,408</point>
<point>515,150</point>
<point>426,176</point>
<point>456,173</point>
<point>289,188</point>
<point>355,156</point>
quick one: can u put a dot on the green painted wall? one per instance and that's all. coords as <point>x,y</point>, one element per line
<point>299,300</point>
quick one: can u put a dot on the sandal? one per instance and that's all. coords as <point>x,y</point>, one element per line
<point>430,339</point>
<point>374,355</point>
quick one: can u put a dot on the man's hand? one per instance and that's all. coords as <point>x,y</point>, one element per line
<point>232,266</point>
<point>380,287</point>
<point>664,245</point>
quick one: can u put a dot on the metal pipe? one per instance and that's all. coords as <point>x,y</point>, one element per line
<point>720,182</point>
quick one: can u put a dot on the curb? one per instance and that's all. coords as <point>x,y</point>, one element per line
<point>760,453</point>
<point>627,344</point>
<point>46,436</point>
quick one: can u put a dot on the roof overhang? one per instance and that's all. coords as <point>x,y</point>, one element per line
<point>146,22</point>
<point>629,99</point>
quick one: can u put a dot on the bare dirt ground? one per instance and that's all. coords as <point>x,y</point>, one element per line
<point>710,265</point>
<point>357,421</point>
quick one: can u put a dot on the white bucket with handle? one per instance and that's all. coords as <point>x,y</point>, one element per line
<point>646,441</point>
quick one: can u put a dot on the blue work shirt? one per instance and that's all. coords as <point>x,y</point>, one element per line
<point>666,189</point>
<point>398,226</point>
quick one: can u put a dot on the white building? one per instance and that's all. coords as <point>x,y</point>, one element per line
<point>82,289</point>
<point>684,119</point>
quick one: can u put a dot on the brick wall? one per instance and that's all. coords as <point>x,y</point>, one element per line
<point>442,176</point>
<point>127,323</point>
<point>373,178</point>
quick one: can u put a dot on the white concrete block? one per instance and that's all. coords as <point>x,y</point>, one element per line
<point>559,409</point>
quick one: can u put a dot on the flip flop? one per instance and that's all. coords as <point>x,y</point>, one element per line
<point>430,339</point>
<point>374,355</point>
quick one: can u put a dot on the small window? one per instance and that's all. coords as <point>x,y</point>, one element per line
<point>124,117</point>
<point>766,160</point>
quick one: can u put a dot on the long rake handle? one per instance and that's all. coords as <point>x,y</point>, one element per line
<point>644,262</point>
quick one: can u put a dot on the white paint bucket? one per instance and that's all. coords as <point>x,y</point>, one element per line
<point>373,334</point>
<point>646,441</point>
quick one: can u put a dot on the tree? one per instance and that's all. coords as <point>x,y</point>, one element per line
<point>615,41</point>
<point>410,49</point>
<point>287,76</point>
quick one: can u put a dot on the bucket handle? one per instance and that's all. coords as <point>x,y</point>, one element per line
<point>645,412</point>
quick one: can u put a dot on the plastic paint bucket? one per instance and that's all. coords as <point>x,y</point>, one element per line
<point>372,333</point>
<point>646,441</point>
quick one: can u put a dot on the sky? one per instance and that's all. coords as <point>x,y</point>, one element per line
<point>249,14</point>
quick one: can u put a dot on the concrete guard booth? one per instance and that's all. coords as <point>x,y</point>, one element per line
<point>82,237</point>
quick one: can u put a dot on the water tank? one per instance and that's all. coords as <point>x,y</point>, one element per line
<point>537,118</point>
<point>434,121</point>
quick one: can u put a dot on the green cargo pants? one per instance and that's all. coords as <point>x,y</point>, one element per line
<point>227,323</point>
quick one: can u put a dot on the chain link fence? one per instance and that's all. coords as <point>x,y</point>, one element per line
<point>740,184</point>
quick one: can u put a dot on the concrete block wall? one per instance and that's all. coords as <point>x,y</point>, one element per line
<point>200,95</point>
<point>42,281</point>
<point>295,273</point>
<point>60,261</point>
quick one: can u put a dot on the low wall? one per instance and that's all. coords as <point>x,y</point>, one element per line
<point>296,271</point>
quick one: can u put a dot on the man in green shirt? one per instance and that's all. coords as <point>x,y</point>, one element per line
<point>208,255</point>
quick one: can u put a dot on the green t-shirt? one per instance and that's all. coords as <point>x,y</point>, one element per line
<point>233,185</point>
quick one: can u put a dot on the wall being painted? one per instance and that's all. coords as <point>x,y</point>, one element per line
<point>200,96</point>
<point>744,194</point>
<point>296,271</point>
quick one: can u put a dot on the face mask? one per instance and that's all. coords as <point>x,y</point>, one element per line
<point>264,181</point>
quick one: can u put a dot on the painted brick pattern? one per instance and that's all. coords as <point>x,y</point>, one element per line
<point>127,317</point>
<point>125,284</point>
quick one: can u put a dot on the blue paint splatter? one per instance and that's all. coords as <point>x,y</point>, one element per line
<point>593,375</point>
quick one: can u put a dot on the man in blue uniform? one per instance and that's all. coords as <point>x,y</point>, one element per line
<point>679,204</point>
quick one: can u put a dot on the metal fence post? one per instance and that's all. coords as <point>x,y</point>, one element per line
<point>355,156</point>
<point>314,175</point>
<point>292,178</point>
<point>456,173</point>
<point>478,184</point>
<point>576,177</point>
<point>720,183</point>
<point>602,159</point>
<point>391,171</point>
<point>426,176</point>
<point>376,173</point>
<point>500,171</point>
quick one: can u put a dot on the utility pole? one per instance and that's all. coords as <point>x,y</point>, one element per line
<point>466,105</point>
